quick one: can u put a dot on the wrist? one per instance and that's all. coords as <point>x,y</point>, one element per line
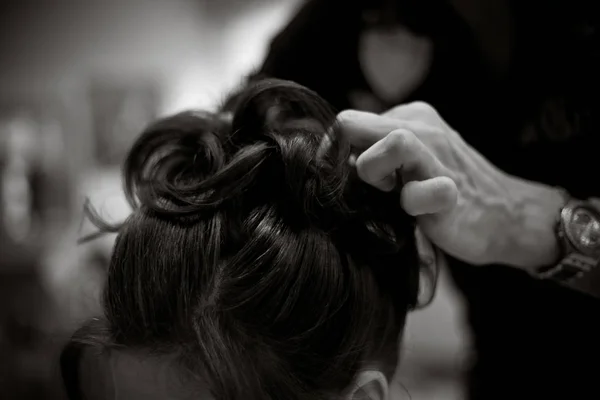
<point>532,241</point>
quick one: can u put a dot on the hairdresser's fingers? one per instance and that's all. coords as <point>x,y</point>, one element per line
<point>399,150</point>
<point>429,268</point>
<point>417,111</point>
<point>363,129</point>
<point>430,196</point>
<point>352,160</point>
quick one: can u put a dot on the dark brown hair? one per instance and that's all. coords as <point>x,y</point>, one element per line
<point>269,268</point>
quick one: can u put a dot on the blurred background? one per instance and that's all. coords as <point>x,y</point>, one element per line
<point>78,80</point>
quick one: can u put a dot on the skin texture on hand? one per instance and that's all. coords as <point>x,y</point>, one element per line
<point>533,242</point>
<point>464,205</point>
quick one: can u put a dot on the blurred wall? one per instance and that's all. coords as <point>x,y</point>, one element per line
<point>194,49</point>
<point>193,46</point>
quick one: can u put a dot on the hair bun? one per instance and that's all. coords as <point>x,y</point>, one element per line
<point>169,161</point>
<point>275,104</point>
<point>292,121</point>
<point>267,153</point>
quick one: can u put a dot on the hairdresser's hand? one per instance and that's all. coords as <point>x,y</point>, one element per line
<point>464,205</point>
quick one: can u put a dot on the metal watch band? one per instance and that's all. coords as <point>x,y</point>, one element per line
<point>579,273</point>
<point>573,266</point>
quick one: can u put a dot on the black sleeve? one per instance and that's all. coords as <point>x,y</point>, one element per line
<point>570,158</point>
<point>572,165</point>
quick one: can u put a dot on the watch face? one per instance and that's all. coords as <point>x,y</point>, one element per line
<point>584,230</point>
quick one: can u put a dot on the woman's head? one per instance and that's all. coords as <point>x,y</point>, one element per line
<point>255,259</point>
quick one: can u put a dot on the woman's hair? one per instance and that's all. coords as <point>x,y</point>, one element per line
<point>254,254</point>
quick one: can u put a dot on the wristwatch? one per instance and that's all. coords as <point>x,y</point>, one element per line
<point>578,234</point>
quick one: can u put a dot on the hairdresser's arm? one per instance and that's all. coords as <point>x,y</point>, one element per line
<point>481,215</point>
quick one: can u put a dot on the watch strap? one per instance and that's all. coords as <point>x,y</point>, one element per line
<point>573,266</point>
<point>577,273</point>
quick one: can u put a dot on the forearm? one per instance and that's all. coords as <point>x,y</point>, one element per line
<point>536,206</point>
<point>530,241</point>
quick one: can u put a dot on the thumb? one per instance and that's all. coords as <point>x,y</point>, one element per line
<point>429,196</point>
